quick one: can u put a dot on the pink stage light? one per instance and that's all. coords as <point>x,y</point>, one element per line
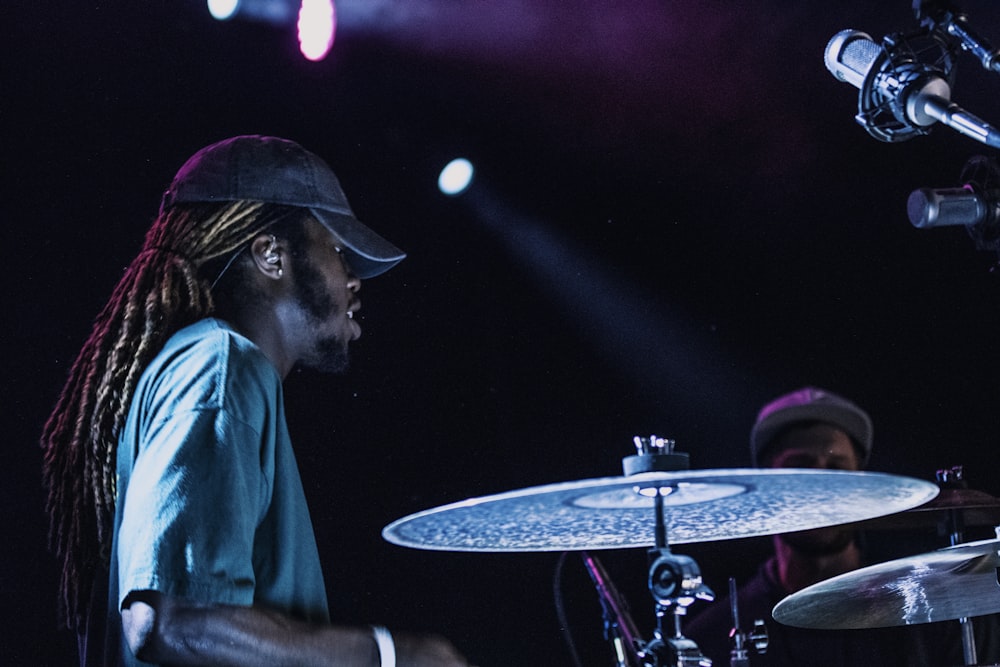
<point>317,24</point>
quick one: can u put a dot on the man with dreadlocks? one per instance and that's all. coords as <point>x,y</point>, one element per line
<point>175,500</point>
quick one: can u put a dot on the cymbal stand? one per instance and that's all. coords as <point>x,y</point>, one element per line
<point>955,478</point>
<point>675,583</point>
<point>674,580</point>
<point>739,656</point>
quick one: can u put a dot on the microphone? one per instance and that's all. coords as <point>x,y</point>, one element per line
<point>900,96</point>
<point>944,207</point>
<point>974,205</point>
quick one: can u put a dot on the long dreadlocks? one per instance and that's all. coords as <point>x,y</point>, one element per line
<point>166,287</point>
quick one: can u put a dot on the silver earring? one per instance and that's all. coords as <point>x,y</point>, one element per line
<point>281,272</point>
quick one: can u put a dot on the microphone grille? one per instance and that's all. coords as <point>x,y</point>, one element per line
<point>849,56</point>
<point>940,207</point>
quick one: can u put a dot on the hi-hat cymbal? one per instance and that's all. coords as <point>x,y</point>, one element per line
<point>970,507</point>
<point>943,585</point>
<point>699,506</point>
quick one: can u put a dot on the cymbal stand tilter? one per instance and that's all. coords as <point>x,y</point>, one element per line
<point>674,581</point>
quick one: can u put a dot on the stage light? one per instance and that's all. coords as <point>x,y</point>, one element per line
<point>317,25</point>
<point>278,12</point>
<point>222,9</point>
<point>456,177</point>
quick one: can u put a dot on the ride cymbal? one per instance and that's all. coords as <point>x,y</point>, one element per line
<point>699,506</point>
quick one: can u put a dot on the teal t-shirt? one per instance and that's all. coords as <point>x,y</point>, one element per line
<point>210,502</point>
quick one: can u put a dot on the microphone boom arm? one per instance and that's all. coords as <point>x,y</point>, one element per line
<point>944,17</point>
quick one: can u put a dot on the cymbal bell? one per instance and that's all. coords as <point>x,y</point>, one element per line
<point>951,583</point>
<point>699,506</point>
<point>972,508</point>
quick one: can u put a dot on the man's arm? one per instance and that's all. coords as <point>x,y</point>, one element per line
<point>169,630</point>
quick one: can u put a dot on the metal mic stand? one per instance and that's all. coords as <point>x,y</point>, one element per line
<point>619,629</point>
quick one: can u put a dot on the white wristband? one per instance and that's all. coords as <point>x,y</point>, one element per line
<point>386,646</point>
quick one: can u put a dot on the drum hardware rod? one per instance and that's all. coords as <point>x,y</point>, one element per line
<point>954,477</point>
<point>660,528</point>
<point>739,656</point>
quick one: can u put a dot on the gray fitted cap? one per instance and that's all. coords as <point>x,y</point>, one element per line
<point>279,171</point>
<point>811,404</point>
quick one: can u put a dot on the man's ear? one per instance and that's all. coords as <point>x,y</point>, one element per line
<point>268,255</point>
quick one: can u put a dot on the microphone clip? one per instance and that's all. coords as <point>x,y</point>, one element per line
<point>908,64</point>
<point>981,175</point>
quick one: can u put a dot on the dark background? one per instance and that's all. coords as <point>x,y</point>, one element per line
<point>675,219</point>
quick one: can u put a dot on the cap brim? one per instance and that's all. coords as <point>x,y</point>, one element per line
<point>368,254</point>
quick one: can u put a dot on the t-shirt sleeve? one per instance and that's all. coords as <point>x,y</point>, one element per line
<point>193,502</point>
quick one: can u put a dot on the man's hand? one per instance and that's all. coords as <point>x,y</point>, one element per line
<point>426,651</point>
<point>165,629</point>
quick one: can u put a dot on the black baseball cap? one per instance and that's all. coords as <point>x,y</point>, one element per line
<point>279,171</point>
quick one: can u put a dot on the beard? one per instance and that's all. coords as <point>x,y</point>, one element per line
<point>329,353</point>
<point>819,541</point>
